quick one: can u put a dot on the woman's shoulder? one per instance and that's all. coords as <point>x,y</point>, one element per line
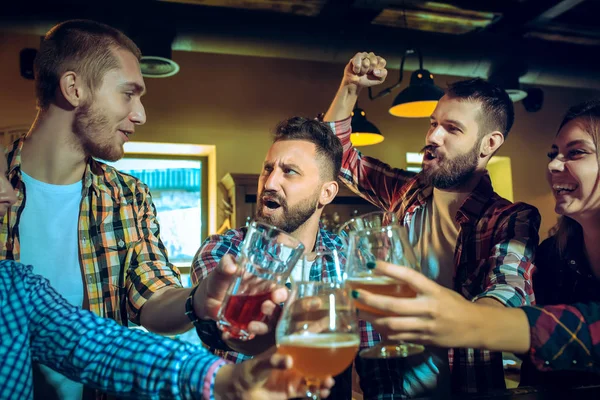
<point>547,253</point>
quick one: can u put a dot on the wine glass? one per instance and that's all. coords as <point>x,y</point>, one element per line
<point>318,329</point>
<point>266,259</point>
<point>366,247</point>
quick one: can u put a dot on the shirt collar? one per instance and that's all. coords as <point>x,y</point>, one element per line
<point>470,210</point>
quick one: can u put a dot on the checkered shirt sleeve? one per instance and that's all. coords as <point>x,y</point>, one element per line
<point>565,337</point>
<point>38,325</point>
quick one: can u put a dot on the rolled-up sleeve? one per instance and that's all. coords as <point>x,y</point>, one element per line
<point>150,269</point>
<point>509,279</point>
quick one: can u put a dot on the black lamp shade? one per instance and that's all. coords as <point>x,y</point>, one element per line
<point>510,83</point>
<point>364,133</point>
<point>419,99</point>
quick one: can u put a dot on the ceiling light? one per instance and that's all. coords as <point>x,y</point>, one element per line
<point>420,98</point>
<point>364,133</point>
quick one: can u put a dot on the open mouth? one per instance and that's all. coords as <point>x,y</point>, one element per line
<point>270,203</point>
<point>563,188</point>
<point>429,155</point>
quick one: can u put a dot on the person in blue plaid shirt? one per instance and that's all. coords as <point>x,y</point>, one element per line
<point>38,325</point>
<point>298,179</point>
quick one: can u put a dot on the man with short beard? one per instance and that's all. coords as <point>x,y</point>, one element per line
<point>87,228</point>
<point>465,236</point>
<point>297,181</point>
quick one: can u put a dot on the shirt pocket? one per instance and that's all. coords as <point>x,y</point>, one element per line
<point>117,237</point>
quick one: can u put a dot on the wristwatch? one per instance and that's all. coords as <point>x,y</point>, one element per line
<point>206,329</point>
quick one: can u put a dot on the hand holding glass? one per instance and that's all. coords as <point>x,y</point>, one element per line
<point>266,259</point>
<point>390,244</point>
<point>318,329</point>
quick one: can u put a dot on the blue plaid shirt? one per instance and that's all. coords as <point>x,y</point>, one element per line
<point>38,325</point>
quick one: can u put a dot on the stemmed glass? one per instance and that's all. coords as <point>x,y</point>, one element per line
<point>375,219</point>
<point>387,243</point>
<point>266,259</point>
<point>318,327</point>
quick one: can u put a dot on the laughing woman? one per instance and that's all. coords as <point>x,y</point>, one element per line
<point>568,262</point>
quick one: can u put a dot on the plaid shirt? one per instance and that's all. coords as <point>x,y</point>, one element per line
<point>565,337</point>
<point>123,260</point>
<point>38,325</point>
<point>562,278</point>
<point>215,247</point>
<point>493,258</point>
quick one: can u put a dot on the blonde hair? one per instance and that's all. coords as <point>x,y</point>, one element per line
<point>83,46</point>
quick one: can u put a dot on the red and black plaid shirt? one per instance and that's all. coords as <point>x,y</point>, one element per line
<point>565,337</point>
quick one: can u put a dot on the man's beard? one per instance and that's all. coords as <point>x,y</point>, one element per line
<point>90,126</point>
<point>291,218</point>
<point>451,172</point>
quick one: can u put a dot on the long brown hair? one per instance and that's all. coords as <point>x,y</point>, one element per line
<point>588,116</point>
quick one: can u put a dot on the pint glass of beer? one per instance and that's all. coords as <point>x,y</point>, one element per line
<point>390,244</point>
<point>267,257</point>
<point>318,329</point>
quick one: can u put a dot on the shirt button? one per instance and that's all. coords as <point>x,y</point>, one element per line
<point>572,262</point>
<point>121,243</point>
<point>90,279</point>
<point>546,362</point>
<point>574,362</point>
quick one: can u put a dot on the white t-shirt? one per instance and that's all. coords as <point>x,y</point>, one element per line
<point>48,234</point>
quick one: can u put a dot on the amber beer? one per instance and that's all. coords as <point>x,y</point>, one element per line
<point>381,285</point>
<point>318,355</point>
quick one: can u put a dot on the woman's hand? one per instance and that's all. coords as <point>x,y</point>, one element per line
<point>436,316</point>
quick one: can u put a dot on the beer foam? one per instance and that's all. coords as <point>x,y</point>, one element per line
<point>324,340</point>
<point>372,280</point>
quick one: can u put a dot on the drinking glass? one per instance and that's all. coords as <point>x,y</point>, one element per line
<point>321,265</point>
<point>375,219</point>
<point>264,264</point>
<point>318,329</point>
<point>390,244</point>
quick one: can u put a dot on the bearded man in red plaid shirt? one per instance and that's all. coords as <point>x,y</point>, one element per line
<point>466,237</point>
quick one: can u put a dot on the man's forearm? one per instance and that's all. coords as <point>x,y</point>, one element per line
<point>164,312</point>
<point>343,103</point>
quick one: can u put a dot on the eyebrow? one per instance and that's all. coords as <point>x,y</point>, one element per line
<point>578,142</point>
<point>291,166</point>
<point>283,165</point>
<point>573,143</point>
<point>136,87</point>
<point>457,123</point>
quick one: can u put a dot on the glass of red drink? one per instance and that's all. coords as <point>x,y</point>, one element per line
<point>266,259</point>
